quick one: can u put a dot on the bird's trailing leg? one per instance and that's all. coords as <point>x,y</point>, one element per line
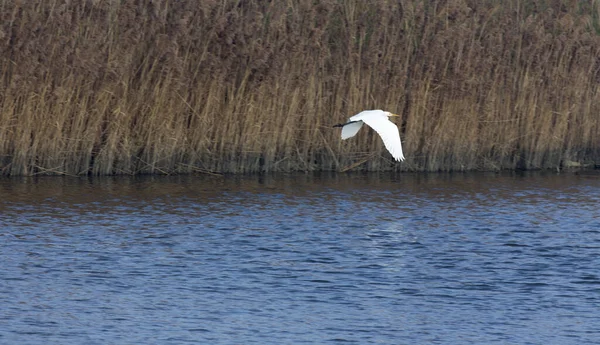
<point>343,124</point>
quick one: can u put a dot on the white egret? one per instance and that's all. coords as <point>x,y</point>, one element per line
<point>379,121</point>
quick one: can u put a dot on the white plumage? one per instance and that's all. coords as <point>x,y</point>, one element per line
<point>379,121</point>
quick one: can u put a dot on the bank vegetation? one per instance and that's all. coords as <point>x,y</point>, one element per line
<point>240,86</point>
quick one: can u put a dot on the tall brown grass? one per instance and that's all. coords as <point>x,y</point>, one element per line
<point>111,87</point>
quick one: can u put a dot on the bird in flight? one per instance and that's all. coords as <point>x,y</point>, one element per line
<point>380,122</point>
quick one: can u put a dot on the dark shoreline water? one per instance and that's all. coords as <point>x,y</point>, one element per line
<point>287,259</point>
<point>14,187</point>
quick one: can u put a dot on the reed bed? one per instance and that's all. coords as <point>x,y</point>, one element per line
<point>240,86</point>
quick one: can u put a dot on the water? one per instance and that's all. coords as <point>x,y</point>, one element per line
<point>365,259</point>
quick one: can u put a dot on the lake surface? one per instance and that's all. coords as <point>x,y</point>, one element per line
<point>293,259</point>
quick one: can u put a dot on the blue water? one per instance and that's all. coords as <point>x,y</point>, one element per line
<point>364,259</point>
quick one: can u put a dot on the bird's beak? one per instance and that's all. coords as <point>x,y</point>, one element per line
<point>394,114</point>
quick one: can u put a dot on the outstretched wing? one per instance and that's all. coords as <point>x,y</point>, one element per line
<point>388,132</point>
<point>350,129</point>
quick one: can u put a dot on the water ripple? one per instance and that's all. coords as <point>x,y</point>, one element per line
<point>434,259</point>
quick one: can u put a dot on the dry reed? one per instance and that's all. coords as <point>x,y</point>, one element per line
<point>127,87</point>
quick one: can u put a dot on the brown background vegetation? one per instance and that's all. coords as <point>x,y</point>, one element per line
<point>105,87</point>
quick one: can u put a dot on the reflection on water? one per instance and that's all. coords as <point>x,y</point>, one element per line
<point>448,259</point>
